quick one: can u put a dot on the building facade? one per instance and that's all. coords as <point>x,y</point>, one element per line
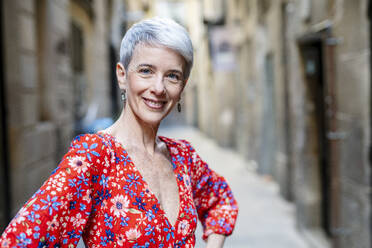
<point>56,73</point>
<point>287,84</point>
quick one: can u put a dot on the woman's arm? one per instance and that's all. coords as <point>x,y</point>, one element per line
<point>215,240</point>
<point>58,212</point>
<point>216,206</point>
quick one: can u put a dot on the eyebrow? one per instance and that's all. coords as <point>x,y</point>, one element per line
<point>177,71</point>
<point>146,65</point>
<point>154,67</point>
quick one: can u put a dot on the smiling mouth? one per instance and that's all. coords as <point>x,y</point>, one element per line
<point>154,104</point>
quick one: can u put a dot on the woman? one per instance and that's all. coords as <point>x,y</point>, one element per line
<point>125,186</point>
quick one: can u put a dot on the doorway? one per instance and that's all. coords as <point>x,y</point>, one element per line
<point>321,150</point>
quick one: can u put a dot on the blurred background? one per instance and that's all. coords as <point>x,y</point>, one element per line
<point>279,102</point>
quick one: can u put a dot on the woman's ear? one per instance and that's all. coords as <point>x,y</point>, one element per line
<point>121,75</point>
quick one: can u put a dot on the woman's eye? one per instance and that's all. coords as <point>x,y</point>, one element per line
<point>174,77</point>
<point>145,71</point>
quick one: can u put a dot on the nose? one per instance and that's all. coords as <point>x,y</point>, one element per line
<point>158,86</point>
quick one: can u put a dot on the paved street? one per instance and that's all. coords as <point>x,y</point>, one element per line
<point>265,219</point>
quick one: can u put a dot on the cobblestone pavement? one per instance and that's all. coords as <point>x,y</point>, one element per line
<point>265,219</point>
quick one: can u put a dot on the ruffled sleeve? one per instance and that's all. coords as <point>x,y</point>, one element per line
<point>216,206</point>
<point>57,213</point>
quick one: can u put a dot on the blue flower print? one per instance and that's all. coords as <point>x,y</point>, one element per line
<point>180,159</point>
<point>72,234</point>
<point>83,179</point>
<point>150,230</point>
<point>123,158</point>
<point>132,180</point>
<point>95,178</point>
<point>72,183</point>
<point>108,238</point>
<point>124,221</point>
<point>103,181</point>
<point>150,215</point>
<point>82,207</point>
<point>89,150</point>
<point>23,241</point>
<point>139,203</point>
<point>108,220</point>
<point>168,230</point>
<point>32,216</point>
<point>72,205</point>
<point>221,221</point>
<point>51,204</point>
<point>128,191</point>
<point>156,209</point>
<point>36,207</point>
<point>79,191</point>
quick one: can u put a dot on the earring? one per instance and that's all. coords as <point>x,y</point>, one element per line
<point>179,107</point>
<point>123,96</point>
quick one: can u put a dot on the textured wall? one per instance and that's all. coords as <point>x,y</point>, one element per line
<point>286,145</point>
<point>39,86</point>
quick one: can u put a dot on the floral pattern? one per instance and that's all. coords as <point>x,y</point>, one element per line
<point>97,193</point>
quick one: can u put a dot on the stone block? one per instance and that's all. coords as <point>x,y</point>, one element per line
<point>27,180</point>
<point>27,32</point>
<point>29,111</point>
<point>29,71</point>
<point>28,6</point>
<point>38,173</point>
<point>22,108</point>
<point>18,184</point>
<point>58,17</point>
<point>355,212</point>
<point>34,144</point>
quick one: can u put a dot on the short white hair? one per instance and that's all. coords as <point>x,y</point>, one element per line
<point>158,31</point>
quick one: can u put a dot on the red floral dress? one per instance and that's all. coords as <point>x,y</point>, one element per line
<point>97,192</point>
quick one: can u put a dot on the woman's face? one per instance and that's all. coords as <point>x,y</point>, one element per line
<point>153,82</point>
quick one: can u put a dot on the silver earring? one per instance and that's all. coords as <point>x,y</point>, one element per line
<point>123,96</point>
<point>179,107</point>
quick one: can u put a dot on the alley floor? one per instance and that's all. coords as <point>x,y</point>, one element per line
<point>265,219</point>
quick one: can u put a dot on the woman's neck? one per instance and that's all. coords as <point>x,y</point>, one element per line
<point>134,133</point>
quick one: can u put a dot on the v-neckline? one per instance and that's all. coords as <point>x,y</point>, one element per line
<point>146,185</point>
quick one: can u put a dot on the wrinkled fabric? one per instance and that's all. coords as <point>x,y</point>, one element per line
<point>97,192</point>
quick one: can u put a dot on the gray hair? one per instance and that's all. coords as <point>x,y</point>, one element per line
<point>158,31</point>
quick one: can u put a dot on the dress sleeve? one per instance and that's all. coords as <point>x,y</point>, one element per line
<point>57,213</point>
<point>216,206</point>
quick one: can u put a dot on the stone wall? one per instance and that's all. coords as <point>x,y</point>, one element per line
<point>309,134</point>
<point>40,86</point>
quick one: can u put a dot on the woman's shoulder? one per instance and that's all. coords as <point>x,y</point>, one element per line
<point>88,138</point>
<point>93,143</point>
<point>178,143</point>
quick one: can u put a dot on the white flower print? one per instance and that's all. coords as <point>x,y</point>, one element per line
<point>78,164</point>
<point>132,234</point>
<point>52,225</point>
<point>183,227</point>
<point>120,239</point>
<point>78,220</point>
<point>120,205</point>
<point>5,243</point>
<point>21,216</point>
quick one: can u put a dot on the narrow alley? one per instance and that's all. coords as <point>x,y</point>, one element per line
<point>275,95</point>
<point>265,219</point>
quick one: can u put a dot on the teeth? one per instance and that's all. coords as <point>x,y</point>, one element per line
<point>154,104</point>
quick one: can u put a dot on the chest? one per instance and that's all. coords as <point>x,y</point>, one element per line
<point>134,203</point>
<point>158,173</point>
